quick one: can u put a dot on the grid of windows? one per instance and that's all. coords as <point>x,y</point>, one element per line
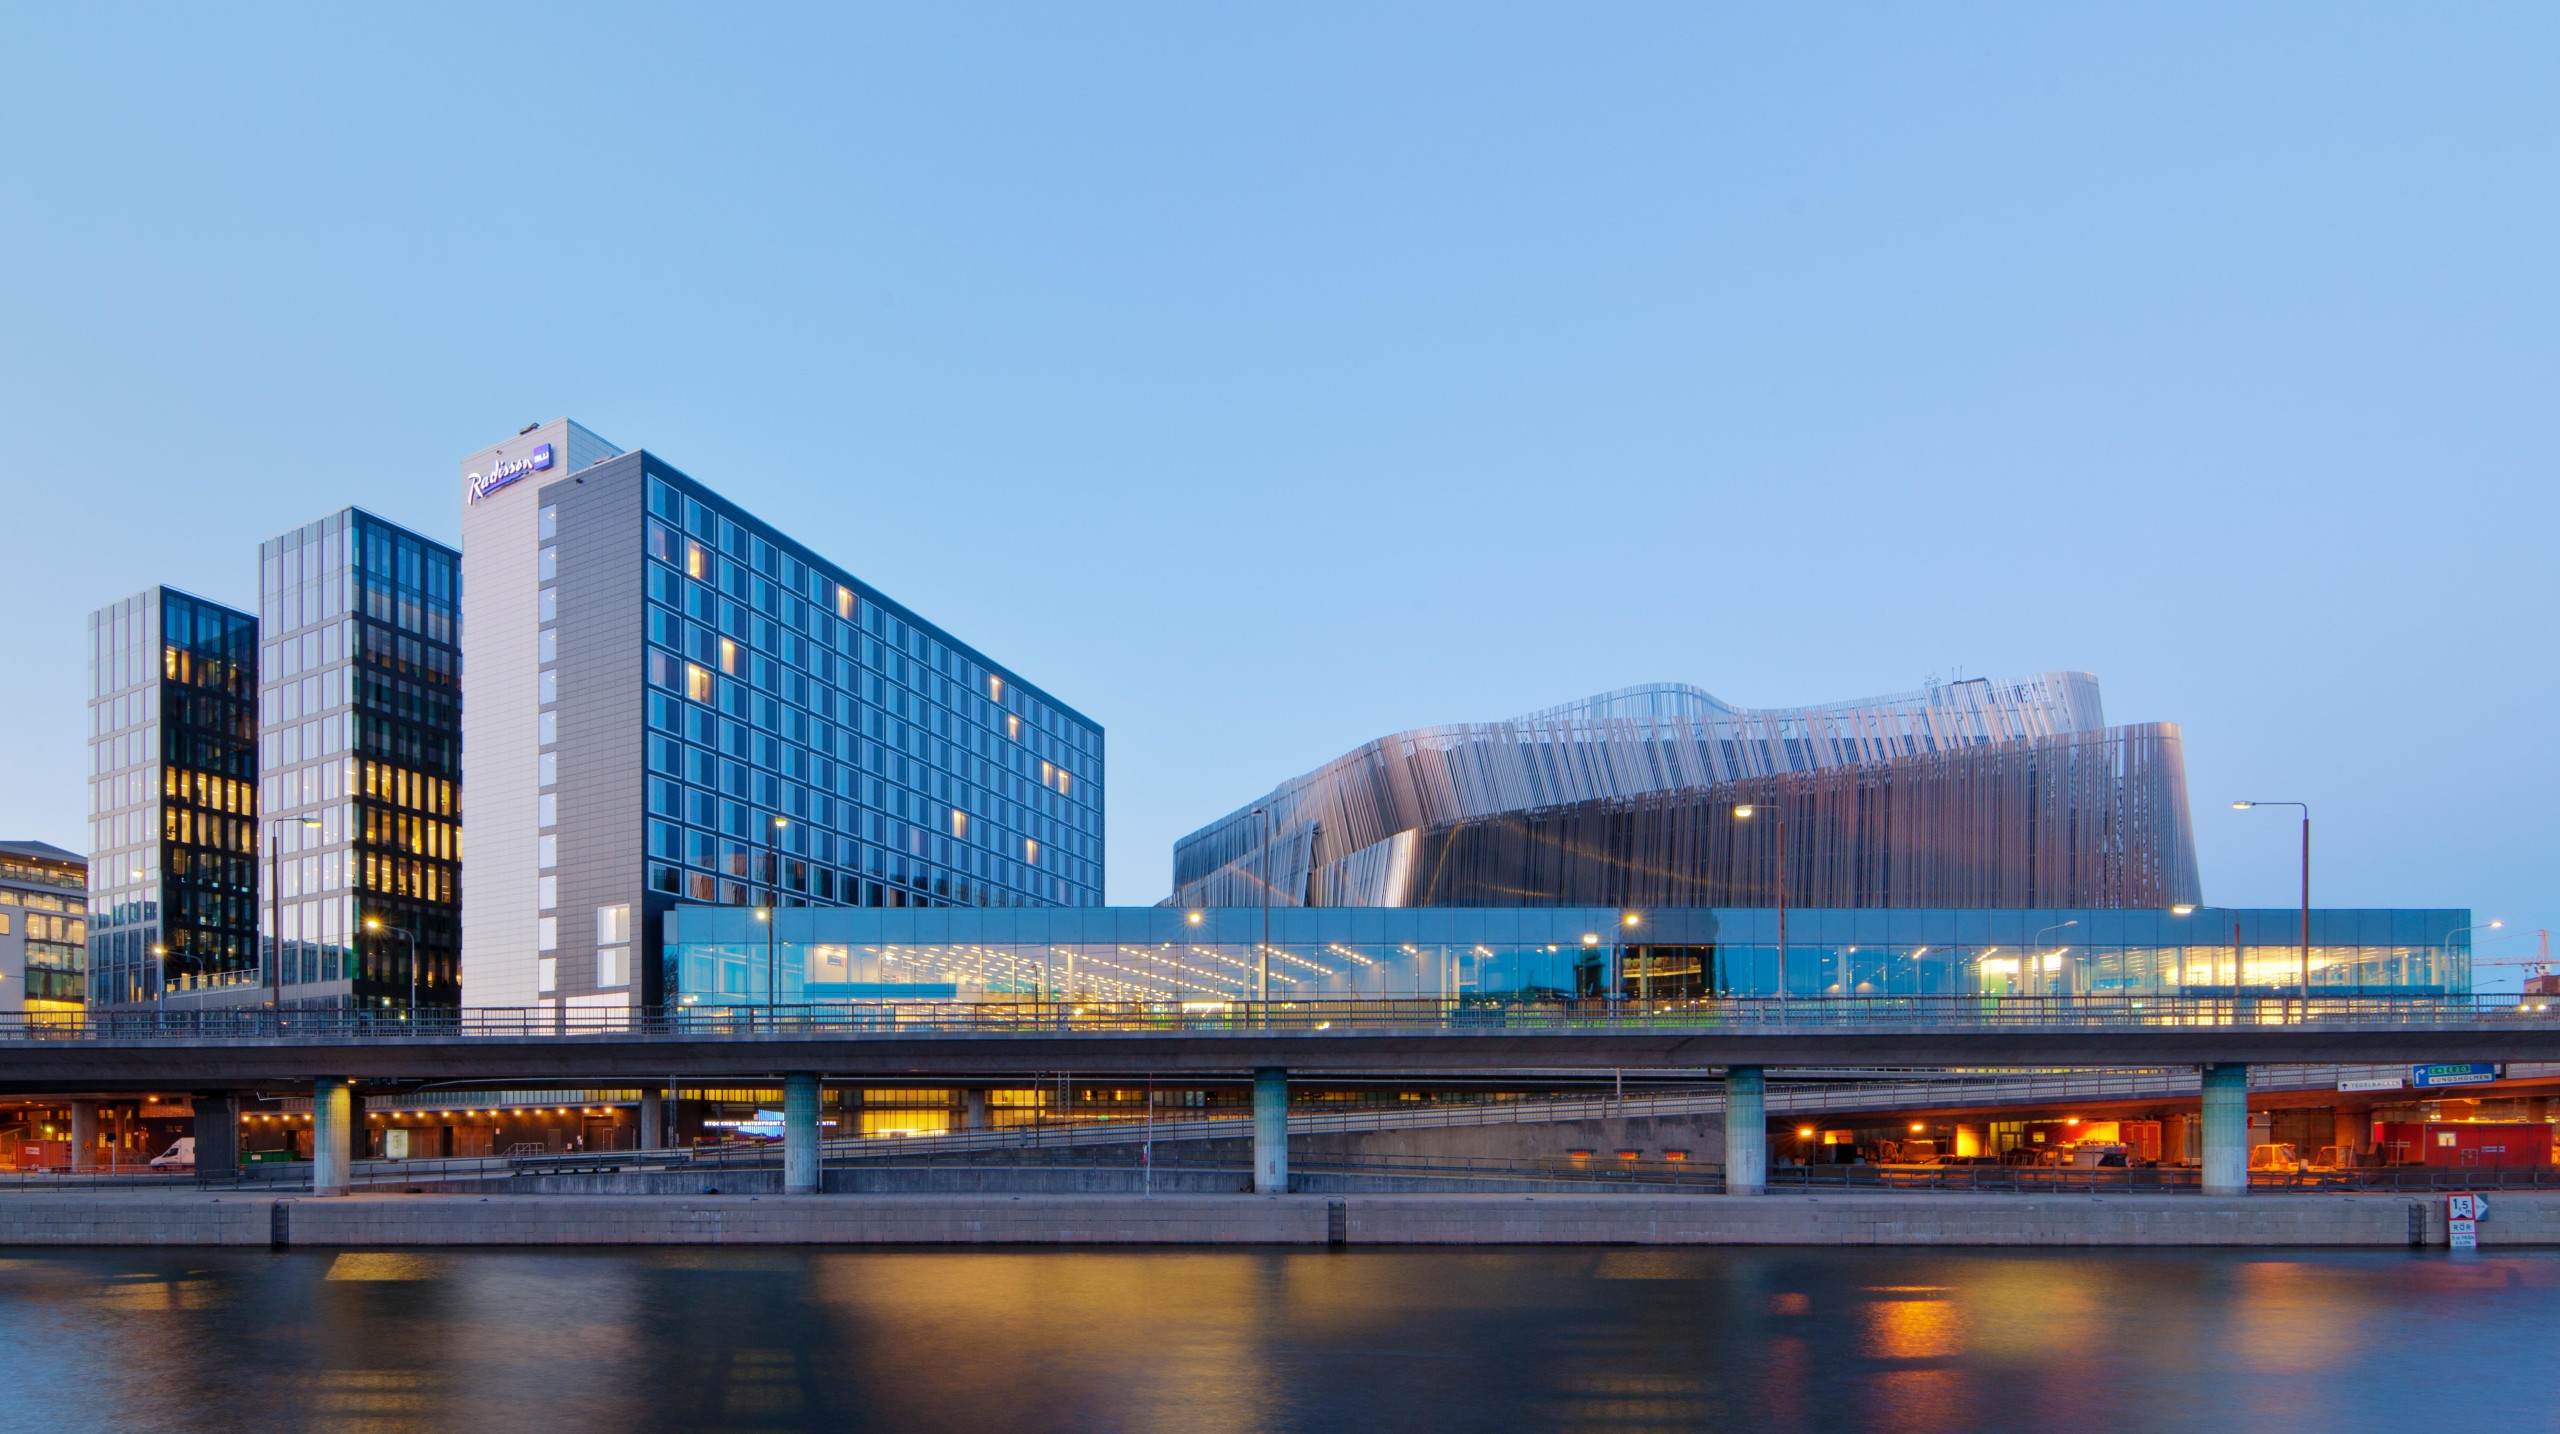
<point>1186,957</point>
<point>173,796</point>
<point>360,714</point>
<point>806,735</point>
<point>44,931</point>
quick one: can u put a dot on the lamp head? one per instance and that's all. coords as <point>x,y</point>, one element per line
<point>2242,806</point>
<point>2183,908</point>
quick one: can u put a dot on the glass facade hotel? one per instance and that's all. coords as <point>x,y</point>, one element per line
<point>717,956</point>
<point>669,700</point>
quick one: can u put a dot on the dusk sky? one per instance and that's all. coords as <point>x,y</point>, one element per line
<point>1261,382</point>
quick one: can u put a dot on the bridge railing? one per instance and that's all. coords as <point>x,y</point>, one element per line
<point>889,1019</point>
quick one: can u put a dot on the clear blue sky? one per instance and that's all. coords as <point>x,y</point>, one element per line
<point>1264,381</point>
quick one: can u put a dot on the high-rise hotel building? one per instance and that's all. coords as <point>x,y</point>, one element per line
<point>667,699</point>
<point>360,764</point>
<point>173,800</point>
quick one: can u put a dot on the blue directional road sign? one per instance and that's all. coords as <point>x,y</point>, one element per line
<point>2463,1073</point>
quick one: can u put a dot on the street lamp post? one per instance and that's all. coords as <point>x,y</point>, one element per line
<point>2493,924</point>
<point>2305,808</point>
<point>772,905</point>
<point>2188,908</point>
<point>374,924</point>
<point>1744,811</point>
<point>275,913</point>
<point>2035,944</point>
<point>1262,967</point>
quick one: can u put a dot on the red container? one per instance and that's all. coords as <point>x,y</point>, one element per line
<point>2462,1145</point>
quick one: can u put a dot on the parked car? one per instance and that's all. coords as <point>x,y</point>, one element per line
<point>2277,1156</point>
<point>181,1156</point>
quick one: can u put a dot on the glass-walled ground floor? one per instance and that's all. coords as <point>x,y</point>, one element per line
<point>717,956</point>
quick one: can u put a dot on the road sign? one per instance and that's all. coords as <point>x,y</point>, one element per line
<point>2465,1234</point>
<point>2464,1073</point>
<point>2389,1082</point>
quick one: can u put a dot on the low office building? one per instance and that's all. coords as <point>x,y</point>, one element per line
<point>44,932</point>
<point>360,764</point>
<point>1173,955</point>
<point>667,699</point>
<point>1964,794</point>
<point>173,800</point>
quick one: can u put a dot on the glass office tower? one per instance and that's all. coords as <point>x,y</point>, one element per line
<point>360,764</point>
<point>668,699</point>
<point>173,801</point>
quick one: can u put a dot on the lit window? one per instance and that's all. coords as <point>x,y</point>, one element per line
<point>613,926</point>
<point>613,966</point>
<point>844,602</point>
<point>995,687</point>
<point>1031,851</point>
<point>729,656</point>
<point>694,561</point>
<point>959,822</point>
<point>697,682</point>
<point>1062,781</point>
<point>1013,726</point>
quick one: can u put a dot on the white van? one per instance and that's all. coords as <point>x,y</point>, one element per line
<point>181,1156</point>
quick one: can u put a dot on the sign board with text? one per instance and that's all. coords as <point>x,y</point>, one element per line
<point>2435,1077</point>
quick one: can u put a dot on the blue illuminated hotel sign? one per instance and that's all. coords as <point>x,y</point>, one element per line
<point>484,484</point>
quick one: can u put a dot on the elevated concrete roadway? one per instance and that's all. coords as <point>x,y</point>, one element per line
<point>107,1063</point>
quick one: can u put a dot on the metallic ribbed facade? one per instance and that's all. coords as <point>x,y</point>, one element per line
<point>1970,794</point>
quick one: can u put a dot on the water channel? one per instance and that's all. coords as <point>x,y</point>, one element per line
<point>992,1341</point>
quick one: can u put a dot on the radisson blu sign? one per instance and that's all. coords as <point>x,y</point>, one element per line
<point>484,484</point>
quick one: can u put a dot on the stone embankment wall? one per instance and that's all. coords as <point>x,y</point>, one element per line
<point>2262,1221</point>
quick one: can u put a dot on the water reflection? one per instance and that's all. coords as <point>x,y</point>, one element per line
<point>984,1341</point>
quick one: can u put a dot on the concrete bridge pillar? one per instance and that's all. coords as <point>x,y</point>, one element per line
<point>332,1136</point>
<point>217,1133</point>
<point>84,1134</point>
<point>1746,1130</point>
<point>651,1130</point>
<point>800,1135</point>
<point>2226,1130</point>
<point>2347,1131</point>
<point>973,1109</point>
<point>1271,1132</point>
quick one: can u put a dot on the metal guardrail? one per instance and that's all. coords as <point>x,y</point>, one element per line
<point>888,1020</point>
<point>2156,1179</point>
